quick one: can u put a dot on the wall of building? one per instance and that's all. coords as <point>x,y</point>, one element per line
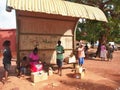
<point>8,34</point>
<point>44,31</point>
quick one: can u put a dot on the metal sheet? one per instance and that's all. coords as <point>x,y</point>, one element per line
<point>59,7</point>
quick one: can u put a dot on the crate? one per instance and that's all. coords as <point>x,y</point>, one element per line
<point>39,76</point>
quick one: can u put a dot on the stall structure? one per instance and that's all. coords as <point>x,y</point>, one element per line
<point>42,23</point>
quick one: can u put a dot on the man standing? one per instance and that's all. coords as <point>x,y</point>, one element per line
<point>59,51</point>
<point>110,50</point>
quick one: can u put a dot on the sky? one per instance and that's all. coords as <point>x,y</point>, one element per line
<point>7,19</point>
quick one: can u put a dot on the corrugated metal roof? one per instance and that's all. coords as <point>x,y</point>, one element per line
<point>59,7</point>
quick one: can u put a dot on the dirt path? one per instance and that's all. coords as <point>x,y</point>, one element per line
<point>100,75</point>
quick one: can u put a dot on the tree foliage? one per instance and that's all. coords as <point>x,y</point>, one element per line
<point>94,30</point>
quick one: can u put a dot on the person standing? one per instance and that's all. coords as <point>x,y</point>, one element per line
<point>103,52</point>
<point>110,51</point>
<point>81,55</point>
<point>7,56</point>
<point>86,50</point>
<point>59,51</point>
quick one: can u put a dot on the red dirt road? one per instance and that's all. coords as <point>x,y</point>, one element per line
<point>100,75</point>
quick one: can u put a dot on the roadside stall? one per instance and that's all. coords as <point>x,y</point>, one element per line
<point>41,23</point>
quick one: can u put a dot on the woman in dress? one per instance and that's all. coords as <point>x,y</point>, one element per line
<point>103,52</point>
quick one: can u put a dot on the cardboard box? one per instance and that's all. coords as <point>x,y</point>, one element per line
<point>39,76</point>
<point>70,59</point>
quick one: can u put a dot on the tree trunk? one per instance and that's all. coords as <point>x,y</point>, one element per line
<point>102,39</point>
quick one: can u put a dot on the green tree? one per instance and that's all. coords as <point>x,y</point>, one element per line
<point>104,32</point>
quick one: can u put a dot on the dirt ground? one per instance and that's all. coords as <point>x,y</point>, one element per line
<point>99,75</point>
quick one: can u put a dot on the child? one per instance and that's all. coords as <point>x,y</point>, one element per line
<point>81,55</point>
<point>23,66</point>
<point>7,56</point>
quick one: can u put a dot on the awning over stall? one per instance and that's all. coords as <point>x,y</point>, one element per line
<point>58,7</point>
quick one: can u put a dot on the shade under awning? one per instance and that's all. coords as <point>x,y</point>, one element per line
<point>58,7</point>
